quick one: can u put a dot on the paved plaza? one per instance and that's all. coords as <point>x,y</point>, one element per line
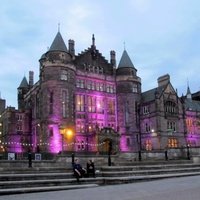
<point>185,188</point>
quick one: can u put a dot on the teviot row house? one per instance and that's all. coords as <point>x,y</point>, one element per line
<point>85,103</point>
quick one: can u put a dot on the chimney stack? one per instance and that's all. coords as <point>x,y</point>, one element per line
<point>71,47</point>
<point>163,80</point>
<point>112,58</point>
<point>31,74</point>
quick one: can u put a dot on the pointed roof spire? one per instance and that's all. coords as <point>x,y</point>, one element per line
<point>189,94</point>
<point>24,83</point>
<point>58,44</point>
<point>125,61</point>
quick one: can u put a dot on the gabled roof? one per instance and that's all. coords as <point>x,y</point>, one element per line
<point>24,83</point>
<point>125,61</point>
<point>192,105</point>
<point>58,44</point>
<point>150,94</point>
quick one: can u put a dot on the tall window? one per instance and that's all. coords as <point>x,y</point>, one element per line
<point>171,126</point>
<point>146,110</point>
<point>189,122</point>
<point>93,85</point>
<point>89,85</point>
<point>111,106</point>
<point>80,126</point>
<point>101,87</point>
<point>100,105</point>
<point>170,107</point>
<point>91,104</point>
<point>80,103</point>
<point>147,127</point>
<point>135,88</point>
<point>51,103</point>
<point>37,105</point>
<point>65,101</point>
<point>19,117</point>
<point>97,86</point>
<point>80,83</point>
<point>148,145</point>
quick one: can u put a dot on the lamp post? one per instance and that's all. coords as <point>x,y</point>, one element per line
<point>109,152</point>
<point>62,131</point>
<point>140,148</point>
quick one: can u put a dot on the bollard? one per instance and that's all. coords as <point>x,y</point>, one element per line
<point>29,159</point>
<point>139,155</point>
<point>188,152</point>
<point>109,160</point>
<point>72,158</point>
<point>166,156</point>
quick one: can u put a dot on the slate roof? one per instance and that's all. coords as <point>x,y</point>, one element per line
<point>24,83</point>
<point>58,44</point>
<point>192,105</point>
<point>125,61</point>
<point>150,94</point>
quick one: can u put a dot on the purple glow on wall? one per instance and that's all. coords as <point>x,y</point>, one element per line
<point>123,145</point>
<point>56,140</point>
<point>15,144</point>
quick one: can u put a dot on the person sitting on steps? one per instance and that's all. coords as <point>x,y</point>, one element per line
<point>90,168</point>
<point>79,171</point>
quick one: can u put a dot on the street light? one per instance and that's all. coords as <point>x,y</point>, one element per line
<point>65,133</point>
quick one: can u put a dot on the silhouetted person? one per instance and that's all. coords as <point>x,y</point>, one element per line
<point>90,168</point>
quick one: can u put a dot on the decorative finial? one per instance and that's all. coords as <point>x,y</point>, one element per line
<point>59,27</point>
<point>93,40</point>
<point>124,46</point>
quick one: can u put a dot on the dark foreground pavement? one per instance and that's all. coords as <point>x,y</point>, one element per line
<point>184,188</point>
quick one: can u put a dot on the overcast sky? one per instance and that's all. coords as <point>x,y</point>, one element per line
<point>160,36</point>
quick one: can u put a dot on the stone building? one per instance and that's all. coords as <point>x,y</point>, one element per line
<point>83,102</point>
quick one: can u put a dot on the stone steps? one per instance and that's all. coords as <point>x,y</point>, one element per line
<point>39,179</point>
<point>10,191</point>
<point>148,172</point>
<point>149,167</point>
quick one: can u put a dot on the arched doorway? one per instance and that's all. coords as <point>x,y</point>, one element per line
<point>107,144</point>
<point>109,140</point>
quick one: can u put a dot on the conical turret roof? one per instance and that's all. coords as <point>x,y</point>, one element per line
<point>24,83</point>
<point>58,44</point>
<point>125,61</point>
<point>189,94</point>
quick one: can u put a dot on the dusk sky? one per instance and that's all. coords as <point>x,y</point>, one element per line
<point>160,36</point>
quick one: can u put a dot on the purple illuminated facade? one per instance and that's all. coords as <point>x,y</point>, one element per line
<point>84,103</point>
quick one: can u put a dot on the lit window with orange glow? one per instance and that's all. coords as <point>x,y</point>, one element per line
<point>80,103</point>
